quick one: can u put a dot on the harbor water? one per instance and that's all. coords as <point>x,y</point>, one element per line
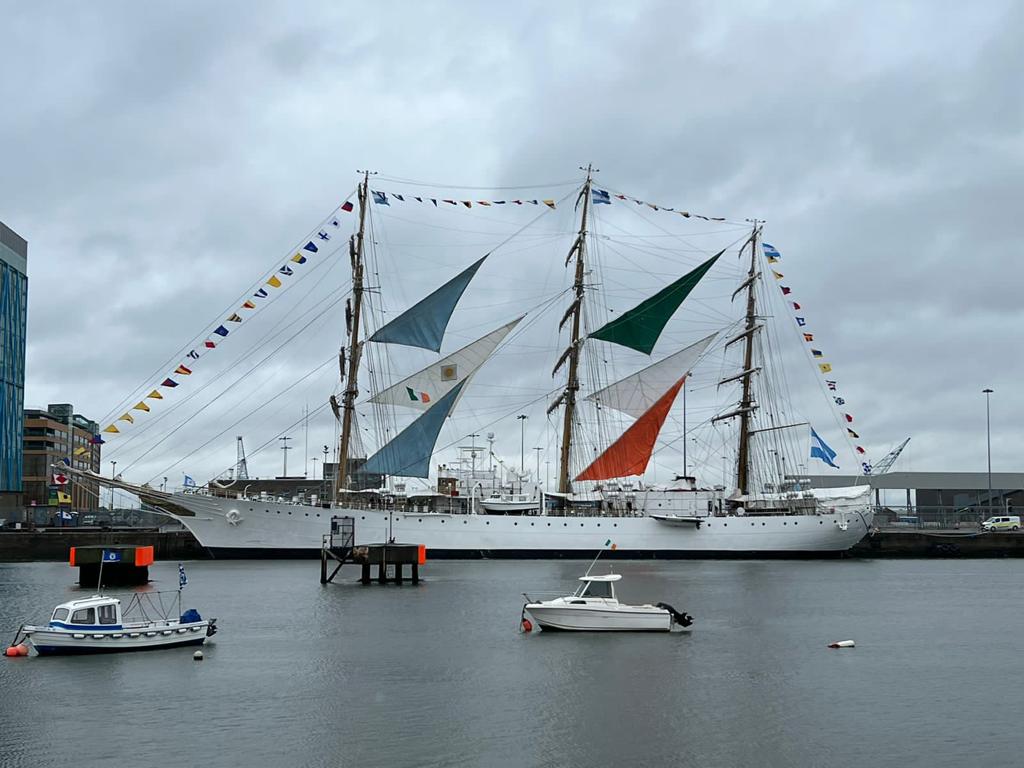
<point>439,675</point>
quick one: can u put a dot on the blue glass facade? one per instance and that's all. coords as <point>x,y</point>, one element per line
<point>13,312</point>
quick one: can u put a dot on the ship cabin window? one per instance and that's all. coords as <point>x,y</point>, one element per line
<point>61,614</point>
<point>84,616</point>
<point>597,589</point>
<point>107,614</point>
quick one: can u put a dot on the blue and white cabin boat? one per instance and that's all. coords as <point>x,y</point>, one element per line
<point>96,625</point>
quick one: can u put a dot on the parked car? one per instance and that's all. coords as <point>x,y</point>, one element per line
<point>1004,523</point>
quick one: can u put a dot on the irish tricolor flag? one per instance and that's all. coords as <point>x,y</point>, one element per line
<point>417,397</point>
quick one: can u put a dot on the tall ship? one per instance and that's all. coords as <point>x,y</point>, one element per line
<point>622,370</point>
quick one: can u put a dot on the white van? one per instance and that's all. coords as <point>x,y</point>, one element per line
<point>1004,523</point>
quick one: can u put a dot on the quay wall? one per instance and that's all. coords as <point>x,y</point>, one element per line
<point>56,543</point>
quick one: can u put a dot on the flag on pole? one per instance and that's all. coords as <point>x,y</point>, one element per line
<point>598,196</point>
<point>182,578</point>
<point>189,482</point>
<point>111,556</point>
<point>820,450</point>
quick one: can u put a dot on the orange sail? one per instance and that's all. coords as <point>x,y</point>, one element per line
<point>630,454</point>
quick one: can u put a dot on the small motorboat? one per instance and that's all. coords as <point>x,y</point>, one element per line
<point>97,624</point>
<point>593,607</point>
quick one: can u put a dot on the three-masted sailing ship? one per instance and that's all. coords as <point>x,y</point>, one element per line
<point>760,514</point>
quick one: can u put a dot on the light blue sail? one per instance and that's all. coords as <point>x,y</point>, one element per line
<point>424,323</point>
<point>408,455</point>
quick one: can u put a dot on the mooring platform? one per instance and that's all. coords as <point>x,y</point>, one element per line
<point>390,558</point>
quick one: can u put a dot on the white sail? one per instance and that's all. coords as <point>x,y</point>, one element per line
<point>425,387</point>
<point>636,393</point>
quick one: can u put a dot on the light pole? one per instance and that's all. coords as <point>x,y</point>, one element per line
<point>988,441</point>
<point>538,450</point>
<point>315,459</point>
<point>113,474</point>
<point>522,448</point>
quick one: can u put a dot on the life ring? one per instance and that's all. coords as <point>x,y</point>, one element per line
<point>233,517</point>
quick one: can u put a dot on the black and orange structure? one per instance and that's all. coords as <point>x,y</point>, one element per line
<point>121,566</point>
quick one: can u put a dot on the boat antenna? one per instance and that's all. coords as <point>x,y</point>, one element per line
<point>594,561</point>
<point>572,354</point>
<point>352,319</point>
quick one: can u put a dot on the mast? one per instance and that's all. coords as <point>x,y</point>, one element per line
<point>747,406</point>
<point>573,352</point>
<point>354,347</point>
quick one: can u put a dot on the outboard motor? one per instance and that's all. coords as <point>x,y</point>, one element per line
<point>681,618</point>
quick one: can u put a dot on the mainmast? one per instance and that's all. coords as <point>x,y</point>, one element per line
<point>572,354</point>
<point>354,349</point>
<point>747,405</point>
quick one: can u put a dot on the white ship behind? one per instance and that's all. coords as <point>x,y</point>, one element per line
<point>764,514</point>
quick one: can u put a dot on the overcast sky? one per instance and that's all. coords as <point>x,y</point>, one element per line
<point>160,159</point>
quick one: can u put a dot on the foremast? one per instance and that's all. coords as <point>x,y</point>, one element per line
<point>353,351</point>
<point>572,354</point>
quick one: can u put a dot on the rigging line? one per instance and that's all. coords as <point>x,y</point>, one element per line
<point>724,219</point>
<point>230,386</point>
<point>229,428</point>
<point>243,355</point>
<point>417,183</point>
<point>635,210</point>
<point>212,324</point>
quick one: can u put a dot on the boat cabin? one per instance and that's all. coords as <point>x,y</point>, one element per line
<point>597,587</point>
<point>91,613</point>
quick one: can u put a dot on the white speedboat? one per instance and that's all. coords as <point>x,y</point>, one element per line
<point>593,607</point>
<point>96,625</point>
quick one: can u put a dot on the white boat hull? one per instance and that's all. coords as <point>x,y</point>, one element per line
<point>253,528</point>
<point>52,642</point>
<point>596,619</point>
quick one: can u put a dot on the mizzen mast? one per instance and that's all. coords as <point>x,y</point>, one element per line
<point>353,313</point>
<point>572,354</point>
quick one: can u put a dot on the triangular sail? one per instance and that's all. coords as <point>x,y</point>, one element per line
<point>424,388</point>
<point>424,323</point>
<point>640,327</point>
<point>630,454</point>
<point>408,455</point>
<point>636,393</point>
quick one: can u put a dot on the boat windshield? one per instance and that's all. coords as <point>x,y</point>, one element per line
<point>596,589</point>
<point>60,614</point>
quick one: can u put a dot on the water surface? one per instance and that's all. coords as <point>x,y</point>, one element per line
<point>438,675</point>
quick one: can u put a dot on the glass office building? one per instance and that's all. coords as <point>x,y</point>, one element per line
<point>13,311</point>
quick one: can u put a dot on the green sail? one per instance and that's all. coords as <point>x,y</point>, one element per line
<point>640,327</point>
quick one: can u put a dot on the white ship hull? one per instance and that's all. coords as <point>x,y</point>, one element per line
<point>254,528</point>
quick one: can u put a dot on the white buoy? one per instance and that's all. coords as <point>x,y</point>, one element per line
<point>842,644</point>
<point>198,655</point>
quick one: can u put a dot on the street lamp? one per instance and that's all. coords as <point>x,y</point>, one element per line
<point>113,475</point>
<point>522,448</point>
<point>988,440</point>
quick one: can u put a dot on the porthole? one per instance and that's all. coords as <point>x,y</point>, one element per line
<point>615,525</point>
<point>531,524</point>
<point>278,511</point>
<point>363,517</point>
<point>581,525</point>
<point>726,525</point>
<point>751,524</point>
<point>307,514</point>
<point>784,522</point>
<point>251,509</point>
<point>762,523</point>
<point>289,511</point>
<point>598,525</point>
<point>821,522</point>
<point>549,525</point>
<point>516,523</point>
<point>420,520</point>
<point>443,521</point>
<point>565,525</point>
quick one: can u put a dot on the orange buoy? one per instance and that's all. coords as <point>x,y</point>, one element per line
<point>12,652</point>
<point>527,625</point>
